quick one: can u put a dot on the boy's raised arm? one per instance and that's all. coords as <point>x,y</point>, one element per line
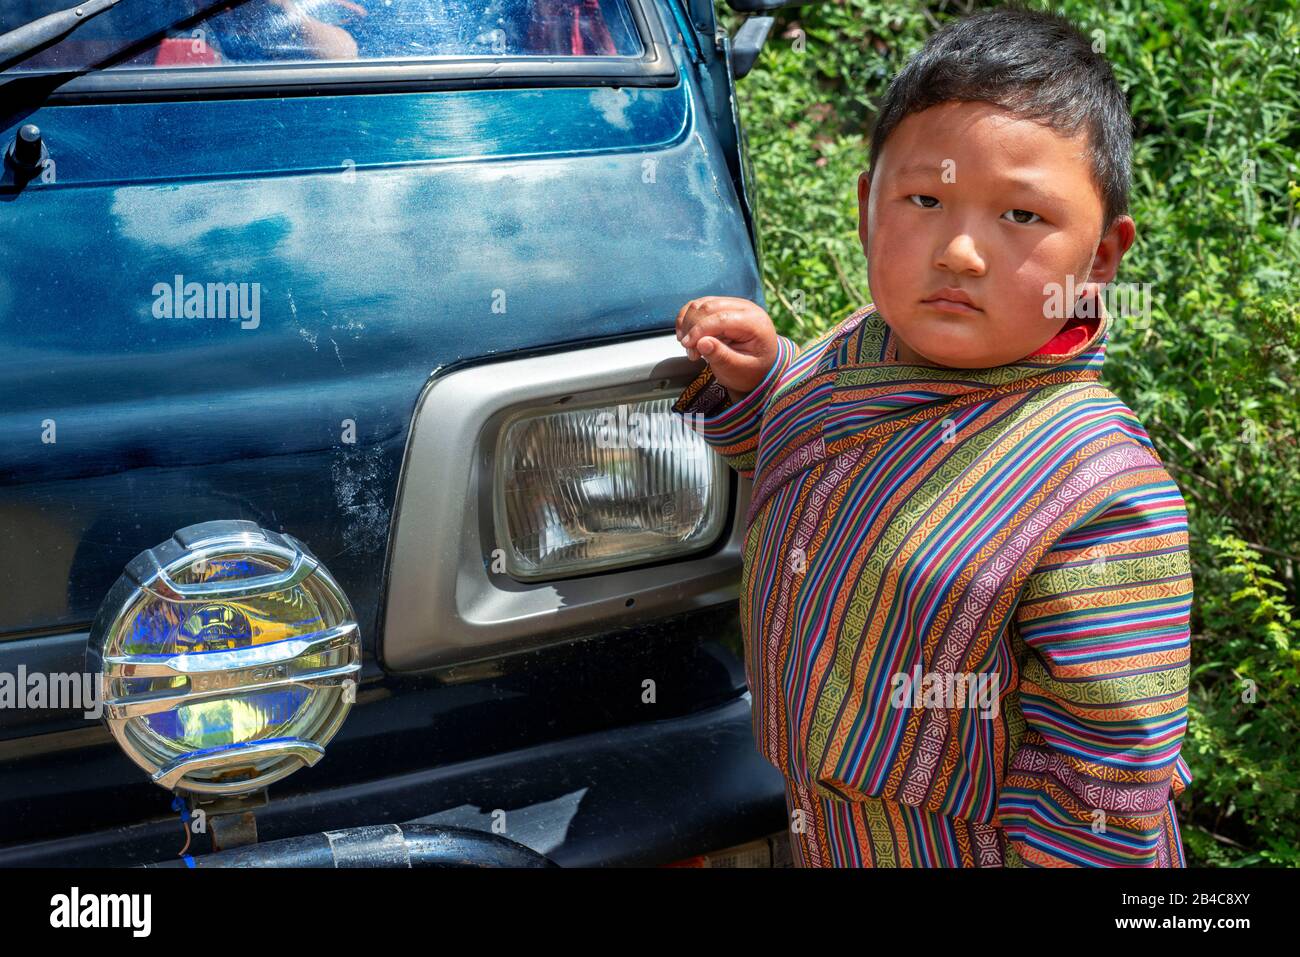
<point>732,428</point>
<point>1102,633</point>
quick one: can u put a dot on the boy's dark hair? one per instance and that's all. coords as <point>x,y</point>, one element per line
<point>1032,64</point>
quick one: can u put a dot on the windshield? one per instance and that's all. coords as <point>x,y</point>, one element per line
<point>280,31</point>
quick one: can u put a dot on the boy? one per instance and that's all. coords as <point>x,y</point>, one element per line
<point>966,587</point>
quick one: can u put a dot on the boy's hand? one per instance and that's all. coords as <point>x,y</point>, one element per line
<point>735,337</point>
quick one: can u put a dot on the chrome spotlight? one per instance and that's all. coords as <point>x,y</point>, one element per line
<point>229,657</point>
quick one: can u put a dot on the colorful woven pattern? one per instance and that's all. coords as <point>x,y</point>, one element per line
<point>965,604</point>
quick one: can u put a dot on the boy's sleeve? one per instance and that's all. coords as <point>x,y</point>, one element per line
<point>1102,631</point>
<point>732,428</point>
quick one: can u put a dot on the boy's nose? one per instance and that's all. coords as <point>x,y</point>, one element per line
<point>959,255</point>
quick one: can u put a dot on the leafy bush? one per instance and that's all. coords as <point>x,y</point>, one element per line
<point>1210,367</point>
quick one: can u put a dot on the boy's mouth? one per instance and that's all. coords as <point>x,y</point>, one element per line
<point>952,300</point>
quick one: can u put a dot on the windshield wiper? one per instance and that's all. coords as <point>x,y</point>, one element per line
<point>30,37</point>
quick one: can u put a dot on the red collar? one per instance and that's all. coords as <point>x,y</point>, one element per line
<point>1072,335</point>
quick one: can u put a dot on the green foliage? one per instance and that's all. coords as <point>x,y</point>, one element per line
<point>1209,366</point>
<point>1244,725</point>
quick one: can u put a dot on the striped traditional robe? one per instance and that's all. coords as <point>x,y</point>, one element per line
<point>1013,526</point>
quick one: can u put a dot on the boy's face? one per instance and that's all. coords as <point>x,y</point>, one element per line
<point>971,216</point>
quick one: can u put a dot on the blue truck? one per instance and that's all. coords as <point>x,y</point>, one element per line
<point>341,506</point>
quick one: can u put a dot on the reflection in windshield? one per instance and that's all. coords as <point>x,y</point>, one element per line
<point>276,31</point>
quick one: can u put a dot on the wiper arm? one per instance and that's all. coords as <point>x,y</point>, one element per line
<point>23,42</point>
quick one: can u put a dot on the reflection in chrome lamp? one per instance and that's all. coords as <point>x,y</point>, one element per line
<point>222,626</point>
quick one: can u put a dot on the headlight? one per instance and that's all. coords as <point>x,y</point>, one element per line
<point>604,487</point>
<point>229,658</point>
<point>534,508</point>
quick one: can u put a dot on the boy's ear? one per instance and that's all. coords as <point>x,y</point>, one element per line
<point>864,196</point>
<point>1114,244</point>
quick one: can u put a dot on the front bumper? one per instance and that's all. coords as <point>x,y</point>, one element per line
<point>644,794</point>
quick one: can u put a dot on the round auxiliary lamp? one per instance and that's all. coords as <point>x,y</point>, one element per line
<point>229,657</point>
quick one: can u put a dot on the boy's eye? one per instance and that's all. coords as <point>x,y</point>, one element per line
<point>1022,216</point>
<point>928,202</point>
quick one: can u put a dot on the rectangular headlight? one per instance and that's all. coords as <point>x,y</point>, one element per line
<point>590,489</point>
